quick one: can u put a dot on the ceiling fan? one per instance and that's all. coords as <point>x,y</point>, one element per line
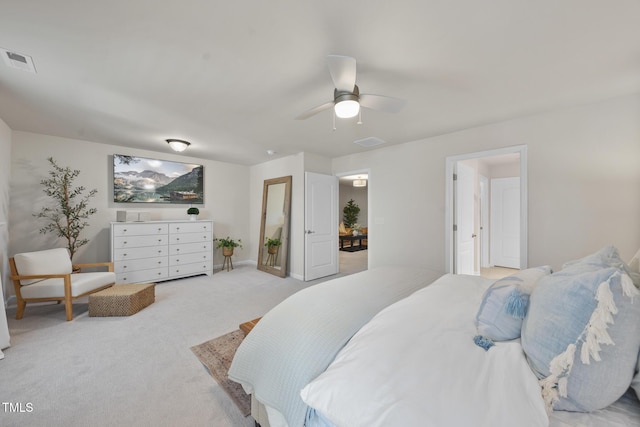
<point>347,98</point>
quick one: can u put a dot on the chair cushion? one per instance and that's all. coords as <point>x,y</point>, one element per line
<point>51,261</point>
<point>81,283</point>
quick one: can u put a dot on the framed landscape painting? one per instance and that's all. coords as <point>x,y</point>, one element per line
<point>144,180</point>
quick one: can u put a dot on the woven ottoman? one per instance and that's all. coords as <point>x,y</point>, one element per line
<point>121,300</point>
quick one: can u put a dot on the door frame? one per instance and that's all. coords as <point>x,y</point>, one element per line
<point>449,200</point>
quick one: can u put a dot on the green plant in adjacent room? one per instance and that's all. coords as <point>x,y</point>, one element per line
<point>68,216</point>
<point>350,213</point>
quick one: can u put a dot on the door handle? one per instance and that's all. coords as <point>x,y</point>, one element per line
<point>309,231</point>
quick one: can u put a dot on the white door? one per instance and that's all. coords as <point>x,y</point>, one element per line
<point>484,221</point>
<point>464,216</point>
<point>505,222</point>
<point>320,226</point>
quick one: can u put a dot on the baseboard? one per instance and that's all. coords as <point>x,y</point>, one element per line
<point>296,276</point>
<point>12,301</point>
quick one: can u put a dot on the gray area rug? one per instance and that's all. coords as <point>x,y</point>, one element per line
<point>216,355</point>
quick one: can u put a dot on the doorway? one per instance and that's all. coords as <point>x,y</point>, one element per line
<point>486,229</point>
<point>354,252</point>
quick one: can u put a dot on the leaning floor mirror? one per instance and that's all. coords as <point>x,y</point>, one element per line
<point>274,227</point>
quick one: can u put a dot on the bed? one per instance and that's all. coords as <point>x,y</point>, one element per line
<point>408,346</point>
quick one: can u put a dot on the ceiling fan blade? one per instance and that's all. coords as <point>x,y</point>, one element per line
<point>315,110</point>
<point>343,72</point>
<point>382,103</point>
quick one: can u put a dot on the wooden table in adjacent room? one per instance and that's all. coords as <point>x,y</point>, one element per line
<point>353,239</point>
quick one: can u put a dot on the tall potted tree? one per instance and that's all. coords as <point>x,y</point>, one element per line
<point>350,213</point>
<point>70,211</point>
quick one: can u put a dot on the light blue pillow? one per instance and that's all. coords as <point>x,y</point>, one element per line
<point>504,304</point>
<point>581,335</point>
<point>605,257</point>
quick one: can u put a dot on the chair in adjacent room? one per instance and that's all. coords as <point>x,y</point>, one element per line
<point>49,275</point>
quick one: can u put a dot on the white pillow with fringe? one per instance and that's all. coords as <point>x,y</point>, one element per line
<point>581,336</point>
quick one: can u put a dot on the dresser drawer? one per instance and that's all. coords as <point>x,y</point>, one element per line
<point>137,253</point>
<point>190,227</point>
<point>140,264</point>
<point>189,258</point>
<point>189,248</point>
<point>140,276</point>
<point>139,241</point>
<point>128,229</point>
<point>204,236</point>
<point>198,267</point>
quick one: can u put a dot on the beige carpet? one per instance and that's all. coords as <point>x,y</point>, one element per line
<point>216,355</point>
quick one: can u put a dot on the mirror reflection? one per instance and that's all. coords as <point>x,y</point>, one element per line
<point>273,224</point>
<point>274,228</point>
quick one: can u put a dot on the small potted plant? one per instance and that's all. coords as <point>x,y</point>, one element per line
<point>272,245</point>
<point>228,244</point>
<point>193,213</point>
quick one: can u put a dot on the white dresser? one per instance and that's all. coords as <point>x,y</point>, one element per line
<point>161,250</point>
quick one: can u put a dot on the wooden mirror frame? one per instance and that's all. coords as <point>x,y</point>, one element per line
<point>280,257</point>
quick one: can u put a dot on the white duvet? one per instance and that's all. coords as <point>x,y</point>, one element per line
<point>415,364</point>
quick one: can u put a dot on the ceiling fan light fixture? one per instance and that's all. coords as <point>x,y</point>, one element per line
<point>178,144</point>
<point>347,105</point>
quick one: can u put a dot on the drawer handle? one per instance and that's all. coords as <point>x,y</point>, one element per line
<point>160,251</point>
<point>159,228</point>
<point>178,250</point>
<point>124,231</point>
<point>177,260</point>
<point>159,262</point>
<point>124,254</point>
<point>177,238</point>
<point>124,266</point>
<point>159,274</point>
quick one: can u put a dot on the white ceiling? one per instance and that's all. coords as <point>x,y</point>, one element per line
<point>231,76</point>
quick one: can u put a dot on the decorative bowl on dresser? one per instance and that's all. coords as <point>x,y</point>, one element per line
<point>153,251</point>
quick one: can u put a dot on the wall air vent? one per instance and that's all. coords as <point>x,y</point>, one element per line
<point>371,141</point>
<point>18,60</point>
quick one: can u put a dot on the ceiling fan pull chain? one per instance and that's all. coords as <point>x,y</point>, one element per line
<point>334,121</point>
<point>360,117</point>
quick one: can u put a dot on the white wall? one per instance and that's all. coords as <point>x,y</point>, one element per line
<point>584,184</point>
<point>226,188</point>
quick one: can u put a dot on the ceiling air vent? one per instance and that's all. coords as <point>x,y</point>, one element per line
<point>371,141</point>
<point>18,60</point>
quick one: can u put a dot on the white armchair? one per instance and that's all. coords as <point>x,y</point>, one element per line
<point>48,276</point>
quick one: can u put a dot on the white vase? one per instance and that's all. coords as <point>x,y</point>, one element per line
<point>193,217</point>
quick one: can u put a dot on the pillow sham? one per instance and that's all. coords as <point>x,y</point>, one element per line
<point>583,314</point>
<point>504,305</point>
